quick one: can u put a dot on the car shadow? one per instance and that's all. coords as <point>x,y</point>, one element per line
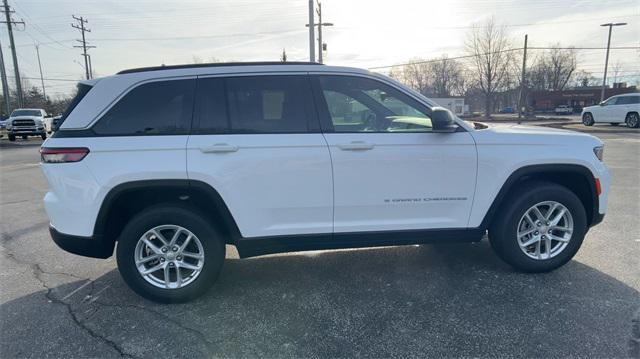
<point>429,301</point>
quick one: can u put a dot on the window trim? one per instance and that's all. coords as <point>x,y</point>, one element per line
<point>313,121</point>
<point>323,110</point>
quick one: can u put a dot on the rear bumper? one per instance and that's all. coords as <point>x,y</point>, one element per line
<point>95,247</point>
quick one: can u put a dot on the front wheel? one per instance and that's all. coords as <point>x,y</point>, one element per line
<point>540,228</point>
<point>12,138</point>
<point>43,136</point>
<point>587,119</point>
<point>170,254</point>
<point>632,120</point>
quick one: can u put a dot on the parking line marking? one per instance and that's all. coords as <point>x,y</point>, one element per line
<point>76,290</point>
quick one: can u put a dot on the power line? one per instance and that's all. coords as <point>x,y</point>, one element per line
<point>45,78</point>
<point>507,50</point>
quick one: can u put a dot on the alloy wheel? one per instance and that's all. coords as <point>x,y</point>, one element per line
<point>545,230</point>
<point>169,256</point>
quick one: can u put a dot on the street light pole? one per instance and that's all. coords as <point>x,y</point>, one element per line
<point>606,60</point>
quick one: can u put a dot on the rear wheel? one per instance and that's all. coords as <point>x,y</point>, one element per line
<point>170,254</point>
<point>632,120</point>
<point>587,119</point>
<point>540,228</point>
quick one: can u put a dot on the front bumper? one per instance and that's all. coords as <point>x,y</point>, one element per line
<point>94,247</point>
<point>27,131</point>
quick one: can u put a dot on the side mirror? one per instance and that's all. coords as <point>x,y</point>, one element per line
<point>442,120</point>
<point>603,103</point>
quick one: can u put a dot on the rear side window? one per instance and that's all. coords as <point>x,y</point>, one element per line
<point>81,91</point>
<point>156,108</point>
<point>628,100</point>
<point>268,104</point>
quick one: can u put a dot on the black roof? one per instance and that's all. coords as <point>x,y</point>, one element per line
<point>217,64</point>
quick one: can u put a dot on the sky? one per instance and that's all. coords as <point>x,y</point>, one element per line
<point>365,34</point>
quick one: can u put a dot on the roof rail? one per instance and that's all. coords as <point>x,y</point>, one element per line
<point>217,64</point>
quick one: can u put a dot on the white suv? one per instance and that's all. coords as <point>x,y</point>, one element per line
<point>615,110</point>
<point>174,162</point>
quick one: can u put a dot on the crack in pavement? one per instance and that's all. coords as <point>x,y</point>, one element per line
<point>208,344</point>
<point>37,272</point>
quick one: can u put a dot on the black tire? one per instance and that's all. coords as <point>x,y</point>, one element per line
<point>632,120</point>
<point>43,136</point>
<point>614,123</point>
<point>12,138</point>
<point>25,137</point>
<point>503,230</point>
<point>587,119</point>
<point>212,244</point>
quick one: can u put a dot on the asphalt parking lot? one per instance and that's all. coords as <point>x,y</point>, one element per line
<point>418,301</point>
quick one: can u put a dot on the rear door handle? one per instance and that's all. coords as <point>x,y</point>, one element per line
<point>356,146</point>
<point>219,148</point>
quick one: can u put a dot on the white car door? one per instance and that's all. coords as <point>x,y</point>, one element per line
<point>390,171</point>
<point>256,140</point>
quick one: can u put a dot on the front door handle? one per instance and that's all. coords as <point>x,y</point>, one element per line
<point>356,146</point>
<point>219,148</point>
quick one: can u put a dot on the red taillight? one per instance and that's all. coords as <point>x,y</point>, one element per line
<point>63,155</point>
<point>598,186</point>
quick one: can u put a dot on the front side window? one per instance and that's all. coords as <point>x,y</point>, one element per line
<point>155,108</point>
<point>357,104</point>
<point>268,104</point>
<point>611,101</point>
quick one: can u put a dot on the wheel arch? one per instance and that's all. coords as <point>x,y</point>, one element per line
<point>127,199</point>
<point>577,178</point>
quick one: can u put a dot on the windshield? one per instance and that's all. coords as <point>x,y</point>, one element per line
<point>26,113</point>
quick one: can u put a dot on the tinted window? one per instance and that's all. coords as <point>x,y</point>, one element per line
<point>268,104</point>
<point>212,107</point>
<point>357,104</point>
<point>628,100</point>
<point>35,113</point>
<point>611,101</point>
<point>156,108</point>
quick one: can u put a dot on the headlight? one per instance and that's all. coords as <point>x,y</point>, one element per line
<point>599,152</point>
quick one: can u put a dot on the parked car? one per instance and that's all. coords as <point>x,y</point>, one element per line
<point>563,110</point>
<point>507,110</point>
<point>615,110</point>
<point>26,122</point>
<point>175,162</point>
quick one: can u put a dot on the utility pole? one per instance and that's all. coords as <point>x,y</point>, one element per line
<point>16,70</point>
<point>44,93</point>
<point>5,85</point>
<point>606,60</point>
<point>312,53</point>
<point>80,26</point>
<point>90,67</point>
<point>320,24</point>
<point>522,80</point>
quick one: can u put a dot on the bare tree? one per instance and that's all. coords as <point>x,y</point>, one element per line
<point>616,70</point>
<point>583,78</point>
<point>561,64</point>
<point>553,69</point>
<point>446,77</point>
<point>415,74</point>
<point>488,45</point>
